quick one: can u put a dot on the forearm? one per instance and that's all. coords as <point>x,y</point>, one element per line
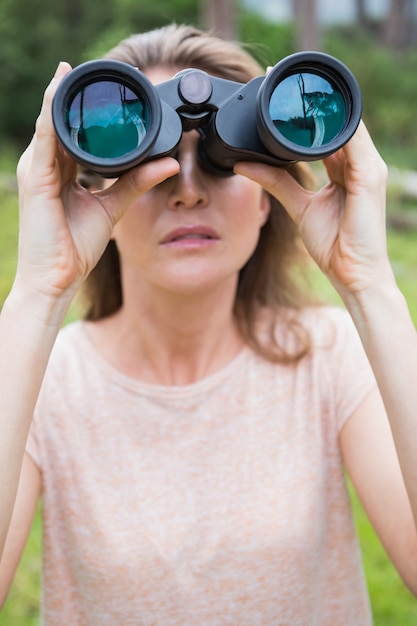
<point>390,340</point>
<point>28,329</point>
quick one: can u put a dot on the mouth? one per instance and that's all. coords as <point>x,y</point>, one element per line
<point>194,236</point>
<point>191,234</point>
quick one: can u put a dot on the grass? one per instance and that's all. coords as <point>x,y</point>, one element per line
<point>22,606</point>
<point>8,241</point>
<point>393,604</point>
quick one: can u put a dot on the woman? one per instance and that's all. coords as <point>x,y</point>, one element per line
<point>189,440</point>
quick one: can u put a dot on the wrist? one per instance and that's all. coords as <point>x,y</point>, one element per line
<point>382,301</point>
<point>362,288</point>
<point>49,310</point>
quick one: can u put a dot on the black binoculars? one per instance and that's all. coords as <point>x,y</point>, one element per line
<point>109,117</point>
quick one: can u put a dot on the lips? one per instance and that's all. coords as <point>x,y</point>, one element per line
<point>192,233</point>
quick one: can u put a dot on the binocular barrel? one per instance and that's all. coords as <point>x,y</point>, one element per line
<point>109,117</point>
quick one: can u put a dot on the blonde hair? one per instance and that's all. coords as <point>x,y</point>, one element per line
<point>267,283</point>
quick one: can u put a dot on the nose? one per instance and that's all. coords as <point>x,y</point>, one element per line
<point>189,187</point>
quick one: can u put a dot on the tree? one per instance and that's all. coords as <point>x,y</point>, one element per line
<point>398,31</point>
<point>220,16</point>
<point>362,17</point>
<point>307,25</point>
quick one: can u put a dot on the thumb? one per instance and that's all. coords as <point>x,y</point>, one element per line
<point>131,185</point>
<point>280,184</point>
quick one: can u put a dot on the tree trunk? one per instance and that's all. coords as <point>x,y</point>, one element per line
<point>362,18</point>
<point>307,25</point>
<point>398,29</point>
<point>220,17</point>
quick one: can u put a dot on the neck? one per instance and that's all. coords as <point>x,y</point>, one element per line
<point>172,339</point>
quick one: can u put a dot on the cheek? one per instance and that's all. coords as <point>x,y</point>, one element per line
<point>132,228</point>
<point>249,215</point>
<point>252,204</point>
<point>137,215</point>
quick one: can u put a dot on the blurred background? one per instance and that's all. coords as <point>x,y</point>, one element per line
<point>377,39</point>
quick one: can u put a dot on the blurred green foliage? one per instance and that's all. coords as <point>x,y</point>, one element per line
<point>36,34</point>
<point>389,87</point>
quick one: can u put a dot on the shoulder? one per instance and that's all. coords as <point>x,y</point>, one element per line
<point>327,325</point>
<point>71,356</point>
<point>286,335</point>
<point>72,339</point>
<point>335,348</point>
<point>333,337</point>
<point>315,328</point>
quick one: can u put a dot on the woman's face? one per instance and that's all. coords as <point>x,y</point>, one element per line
<point>193,231</point>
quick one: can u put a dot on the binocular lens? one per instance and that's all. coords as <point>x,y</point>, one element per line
<point>309,106</point>
<point>106,119</point>
<point>308,109</point>
<point>107,116</point>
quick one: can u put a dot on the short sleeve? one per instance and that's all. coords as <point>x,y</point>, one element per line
<point>350,371</point>
<point>48,400</point>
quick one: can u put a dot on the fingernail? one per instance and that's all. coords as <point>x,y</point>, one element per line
<point>61,69</point>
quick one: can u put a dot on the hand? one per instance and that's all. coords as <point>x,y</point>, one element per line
<point>64,228</point>
<point>343,224</point>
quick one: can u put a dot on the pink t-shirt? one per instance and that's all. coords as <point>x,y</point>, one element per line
<point>222,502</point>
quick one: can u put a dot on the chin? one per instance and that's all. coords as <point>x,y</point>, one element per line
<point>200,283</point>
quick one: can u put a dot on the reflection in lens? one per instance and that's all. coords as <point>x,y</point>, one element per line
<point>308,109</point>
<point>107,119</point>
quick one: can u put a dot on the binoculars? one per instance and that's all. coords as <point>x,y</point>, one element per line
<point>109,117</point>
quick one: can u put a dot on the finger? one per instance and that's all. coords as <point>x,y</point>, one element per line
<point>44,142</point>
<point>362,152</point>
<point>280,184</point>
<point>359,159</point>
<point>335,167</point>
<point>117,198</point>
<point>360,142</point>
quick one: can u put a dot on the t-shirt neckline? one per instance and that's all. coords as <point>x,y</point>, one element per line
<point>115,376</point>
